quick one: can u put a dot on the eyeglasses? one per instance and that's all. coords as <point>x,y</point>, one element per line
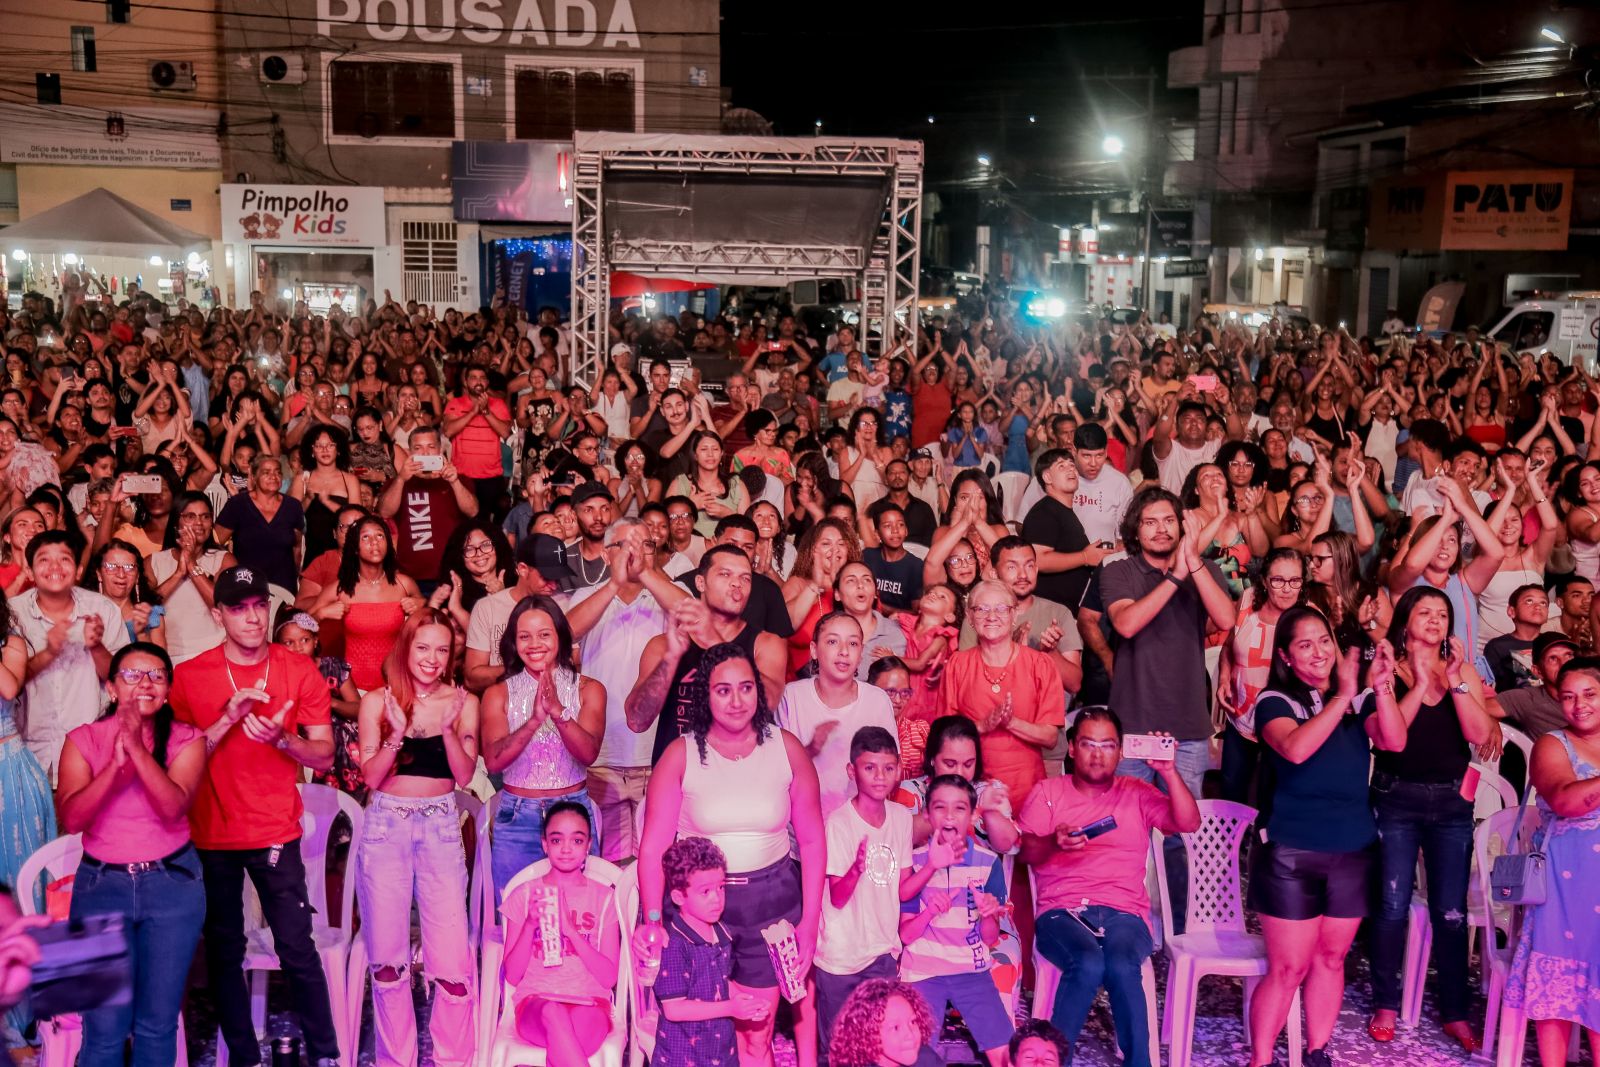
<point>898,694</point>
<point>482,548</point>
<point>679,516</point>
<point>158,675</point>
<point>1305,501</point>
<point>1099,746</point>
<point>992,611</point>
<point>963,560</point>
<point>1321,559</point>
<point>115,568</point>
<point>1280,582</point>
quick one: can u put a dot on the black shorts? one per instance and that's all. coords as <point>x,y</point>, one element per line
<point>756,900</point>
<point>1298,883</point>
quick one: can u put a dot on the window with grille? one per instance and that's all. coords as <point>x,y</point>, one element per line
<point>83,49</point>
<point>393,99</point>
<point>428,256</point>
<point>552,103</point>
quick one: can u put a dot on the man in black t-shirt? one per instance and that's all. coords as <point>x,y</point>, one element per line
<point>1066,558</point>
<point>897,572</point>
<point>919,517</point>
<point>765,608</point>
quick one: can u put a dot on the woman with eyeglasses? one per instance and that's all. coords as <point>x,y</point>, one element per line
<point>1246,664</point>
<point>126,784</point>
<point>1309,513</point>
<point>116,572</point>
<point>1245,466</point>
<point>477,561</point>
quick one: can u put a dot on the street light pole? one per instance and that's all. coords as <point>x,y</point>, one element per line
<point>1149,203</point>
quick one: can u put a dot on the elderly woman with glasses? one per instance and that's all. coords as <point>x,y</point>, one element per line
<point>1010,690</point>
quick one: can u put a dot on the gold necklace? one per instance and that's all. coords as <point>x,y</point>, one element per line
<point>995,683</point>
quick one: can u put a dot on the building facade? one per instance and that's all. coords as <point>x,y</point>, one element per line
<point>1301,133</point>
<point>116,95</point>
<point>451,116</point>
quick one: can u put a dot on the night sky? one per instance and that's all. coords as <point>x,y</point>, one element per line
<point>980,69</point>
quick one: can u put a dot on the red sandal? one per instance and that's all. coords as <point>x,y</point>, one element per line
<point>1383,1034</point>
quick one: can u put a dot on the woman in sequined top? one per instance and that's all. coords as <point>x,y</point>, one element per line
<point>542,727</point>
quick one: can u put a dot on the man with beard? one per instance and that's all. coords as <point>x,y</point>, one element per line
<point>764,608</point>
<point>667,435</point>
<point>594,507</point>
<point>475,423</point>
<point>1160,600</point>
<point>920,520</point>
<point>1085,886</point>
<point>671,660</point>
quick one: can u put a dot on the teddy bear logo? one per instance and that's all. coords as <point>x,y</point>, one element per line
<point>258,226</point>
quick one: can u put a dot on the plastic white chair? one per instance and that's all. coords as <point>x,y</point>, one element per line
<point>1012,486</point>
<point>1214,941</point>
<point>61,1038</point>
<point>1494,837</point>
<point>1494,795</point>
<point>321,805</point>
<point>645,1013</point>
<point>507,1048</point>
<point>1047,979</point>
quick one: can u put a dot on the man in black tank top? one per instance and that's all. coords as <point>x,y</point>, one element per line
<point>671,660</point>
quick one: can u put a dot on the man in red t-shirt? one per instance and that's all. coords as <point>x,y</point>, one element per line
<point>476,422</point>
<point>265,714</point>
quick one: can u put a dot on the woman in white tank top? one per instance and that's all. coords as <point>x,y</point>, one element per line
<point>1523,563</point>
<point>1583,521</point>
<point>735,778</point>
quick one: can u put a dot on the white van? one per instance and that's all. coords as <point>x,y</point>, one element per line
<point>1567,324</point>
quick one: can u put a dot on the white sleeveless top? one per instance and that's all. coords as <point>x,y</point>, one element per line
<point>742,805</point>
<point>545,763</point>
<point>1586,554</point>
<point>1380,445</point>
<point>1493,621</point>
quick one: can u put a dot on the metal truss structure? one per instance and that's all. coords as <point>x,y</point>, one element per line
<point>888,268</point>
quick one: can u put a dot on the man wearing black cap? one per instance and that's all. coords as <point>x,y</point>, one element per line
<point>592,503</point>
<point>265,714</point>
<point>542,567</point>
<point>1536,709</point>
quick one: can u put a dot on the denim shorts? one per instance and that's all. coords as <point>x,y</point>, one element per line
<point>756,900</point>
<point>517,836</point>
<point>977,998</point>
<point>1300,883</point>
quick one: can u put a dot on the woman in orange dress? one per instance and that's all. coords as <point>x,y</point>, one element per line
<point>818,558</point>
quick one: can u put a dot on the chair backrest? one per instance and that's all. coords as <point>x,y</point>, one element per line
<point>1216,901</point>
<point>1013,486</point>
<point>1513,736</point>
<point>322,804</point>
<point>51,861</point>
<point>1494,793</point>
<point>1505,830</point>
<point>641,997</point>
<point>474,811</point>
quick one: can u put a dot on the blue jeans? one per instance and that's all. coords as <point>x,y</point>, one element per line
<point>517,837</point>
<point>1194,758</point>
<point>1434,818</point>
<point>1088,962</point>
<point>163,910</point>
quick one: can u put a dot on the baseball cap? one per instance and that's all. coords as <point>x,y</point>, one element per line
<point>545,554</point>
<point>589,490</point>
<point>622,348</point>
<point>922,453</point>
<point>1546,641</point>
<point>237,584</point>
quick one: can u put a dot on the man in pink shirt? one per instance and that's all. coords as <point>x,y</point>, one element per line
<point>475,423</point>
<point>1093,909</point>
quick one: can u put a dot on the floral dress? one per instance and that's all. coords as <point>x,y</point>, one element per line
<point>1556,971</point>
<point>345,774</point>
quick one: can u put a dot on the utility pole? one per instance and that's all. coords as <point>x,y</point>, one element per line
<point>1149,168</point>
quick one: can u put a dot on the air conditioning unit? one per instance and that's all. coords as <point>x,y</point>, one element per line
<point>172,75</point>
<point>279,68</point>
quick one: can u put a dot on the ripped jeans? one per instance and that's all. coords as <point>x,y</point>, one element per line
<point>1432,818</point>
<point>413,844</point>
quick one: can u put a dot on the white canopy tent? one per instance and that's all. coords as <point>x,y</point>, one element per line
<point>101,223</point>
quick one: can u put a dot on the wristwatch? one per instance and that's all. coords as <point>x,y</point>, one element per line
<point>1461,689</point>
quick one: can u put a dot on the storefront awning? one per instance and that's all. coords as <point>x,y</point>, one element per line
<point>101,223</point>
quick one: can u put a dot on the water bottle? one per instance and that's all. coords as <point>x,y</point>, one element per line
<point>649,968</point>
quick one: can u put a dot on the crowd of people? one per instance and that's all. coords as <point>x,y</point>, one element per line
<point>843,647</point>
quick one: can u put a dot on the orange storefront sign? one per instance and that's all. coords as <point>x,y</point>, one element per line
<point>1510,210</point>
